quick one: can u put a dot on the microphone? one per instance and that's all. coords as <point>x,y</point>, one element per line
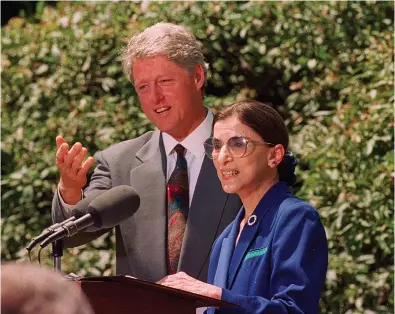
<point>80,209</point>
<point>105,211</point>
<point>46,233</point>
<point>77,212</point>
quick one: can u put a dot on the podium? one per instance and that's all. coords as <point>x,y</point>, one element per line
<point>126,295</point>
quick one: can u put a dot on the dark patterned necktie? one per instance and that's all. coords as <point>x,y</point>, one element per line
<point>177,206</point>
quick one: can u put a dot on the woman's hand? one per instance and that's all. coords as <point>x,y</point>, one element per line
<point>187,283</point>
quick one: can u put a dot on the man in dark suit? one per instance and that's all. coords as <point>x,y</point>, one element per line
<point>183,207</point>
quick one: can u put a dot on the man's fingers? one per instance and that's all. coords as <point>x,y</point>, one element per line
<point>77,162</point>
<point>61,153</point>
<point>73,152</point>
<point>59,140</point>
<point>85,166</point>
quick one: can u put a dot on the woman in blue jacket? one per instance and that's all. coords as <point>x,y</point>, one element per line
<point>273,257</point>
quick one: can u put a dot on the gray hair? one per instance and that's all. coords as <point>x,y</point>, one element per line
<point>171,40</point>
<point>30,289</point>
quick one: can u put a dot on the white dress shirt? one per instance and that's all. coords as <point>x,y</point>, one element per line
<point>194,154</point>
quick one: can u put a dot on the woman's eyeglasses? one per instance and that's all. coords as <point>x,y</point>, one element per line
<point>237,146</point>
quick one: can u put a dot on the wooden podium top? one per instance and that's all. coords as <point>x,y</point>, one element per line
<point>125,294</point>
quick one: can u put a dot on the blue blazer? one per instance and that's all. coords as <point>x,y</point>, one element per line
<point>279,264</point>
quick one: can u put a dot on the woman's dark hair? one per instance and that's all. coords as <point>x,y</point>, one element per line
<point>267,122</point>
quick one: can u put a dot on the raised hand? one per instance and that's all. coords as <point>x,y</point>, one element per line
<point>73,169</point>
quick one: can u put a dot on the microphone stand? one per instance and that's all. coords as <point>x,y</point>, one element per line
<point>57,253</point>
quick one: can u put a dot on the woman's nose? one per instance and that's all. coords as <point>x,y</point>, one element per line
<point>224,156</point>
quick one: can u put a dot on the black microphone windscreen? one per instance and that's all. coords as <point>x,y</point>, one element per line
<point>114,206</point>
<point>81,208</point>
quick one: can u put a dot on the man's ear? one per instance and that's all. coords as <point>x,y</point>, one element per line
<point>276,155</point>
<point>199,77</point>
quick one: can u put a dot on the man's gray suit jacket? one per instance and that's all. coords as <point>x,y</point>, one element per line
<point>141,241</point>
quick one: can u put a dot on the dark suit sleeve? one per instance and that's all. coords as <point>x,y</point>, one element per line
<point>299,263</point>
<point>101,180</point>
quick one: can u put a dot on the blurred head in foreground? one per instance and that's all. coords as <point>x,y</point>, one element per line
<point>30,289</point>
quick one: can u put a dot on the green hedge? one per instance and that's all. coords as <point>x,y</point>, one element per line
<point>326,66</point>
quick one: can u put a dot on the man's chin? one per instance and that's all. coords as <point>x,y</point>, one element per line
<point>176,132</point>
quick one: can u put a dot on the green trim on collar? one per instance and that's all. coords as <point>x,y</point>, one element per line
<point>255,253</point>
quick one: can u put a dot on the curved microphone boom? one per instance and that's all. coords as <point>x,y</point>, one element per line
<point>46,233</point>
<point>77,212</point>
<point>105,211</point>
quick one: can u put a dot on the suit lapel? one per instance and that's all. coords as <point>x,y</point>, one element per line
<point>148,225</point>
<point>226,253</point>
<point>266,208</point>
<point>208,204</point>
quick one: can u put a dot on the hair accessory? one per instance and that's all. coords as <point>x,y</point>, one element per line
<point>286,169</point>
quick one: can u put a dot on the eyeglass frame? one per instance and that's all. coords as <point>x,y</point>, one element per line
<point>247,140</point>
